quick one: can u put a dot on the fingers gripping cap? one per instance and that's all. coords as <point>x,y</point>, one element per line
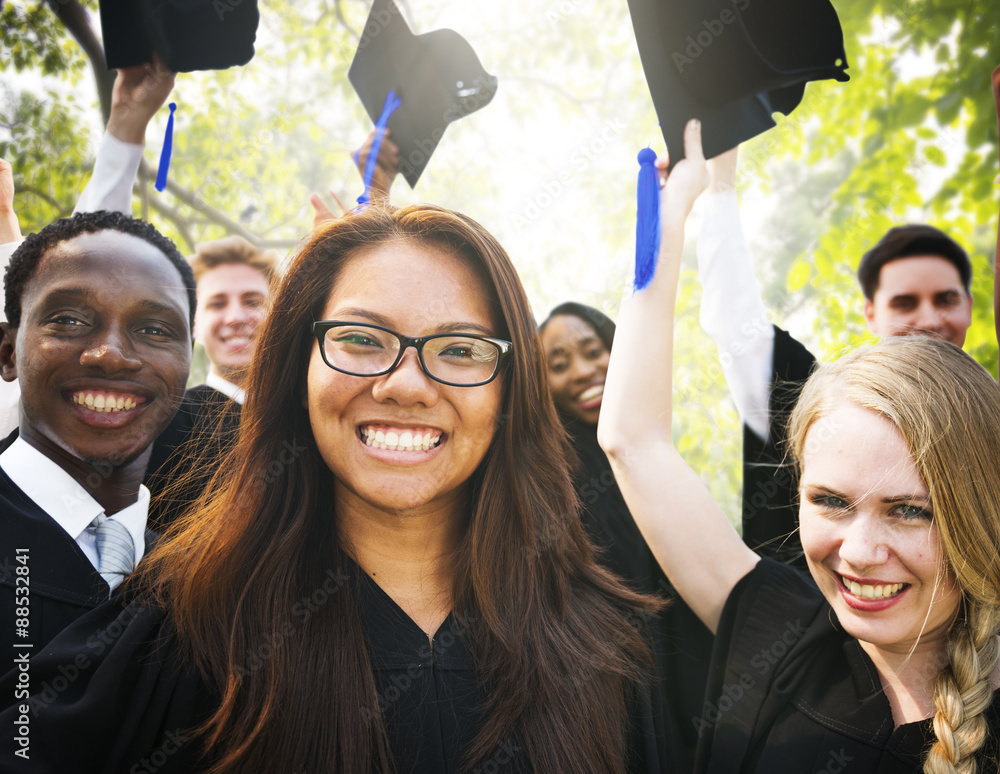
<point>187,34</point>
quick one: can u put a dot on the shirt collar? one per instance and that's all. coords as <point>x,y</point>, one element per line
<point>226,388</point>
<point>60,495</point>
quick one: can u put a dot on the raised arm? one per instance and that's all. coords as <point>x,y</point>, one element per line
<point>386,165</point>
<point>732,310</point>
<point>386,169</point>
<point>138,93</point>
<point>685,528</point>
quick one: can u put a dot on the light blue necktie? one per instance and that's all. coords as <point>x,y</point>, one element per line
<point>115,550</point>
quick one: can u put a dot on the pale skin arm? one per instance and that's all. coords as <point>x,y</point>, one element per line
<point>10,229</point>
<point>722,171</point>
<point>687,531</point>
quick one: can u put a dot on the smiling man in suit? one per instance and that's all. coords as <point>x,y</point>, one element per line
<point>99,309</point>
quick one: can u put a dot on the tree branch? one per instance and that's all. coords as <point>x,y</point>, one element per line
<point>24,188</point>
<point>181,223</point>
<point>75,18</point>
<point>339,12</point>
<point>76,21</point>
<point>571,98</point>
<point>219,218</point>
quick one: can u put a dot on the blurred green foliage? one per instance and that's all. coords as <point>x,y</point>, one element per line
<point>549,166</point>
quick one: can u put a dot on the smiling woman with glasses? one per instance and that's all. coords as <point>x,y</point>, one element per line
<point>390,572</point>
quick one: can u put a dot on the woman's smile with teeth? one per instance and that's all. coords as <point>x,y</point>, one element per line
<point>590,393</point>
<point>865,591</point>
<point>399,439</point>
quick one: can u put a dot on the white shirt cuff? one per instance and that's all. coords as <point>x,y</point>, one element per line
<point>732,311</point>
<point>110,186</point>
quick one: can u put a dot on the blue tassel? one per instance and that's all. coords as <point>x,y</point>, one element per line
<point>168,146</point>
<point>647,222</point>
<point>391,103</point>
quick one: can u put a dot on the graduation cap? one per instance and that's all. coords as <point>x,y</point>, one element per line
<point>187,34</point>
<point>732,63</point>
<point>436,76</point>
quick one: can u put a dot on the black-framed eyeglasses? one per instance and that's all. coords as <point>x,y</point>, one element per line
<point>364,349</point>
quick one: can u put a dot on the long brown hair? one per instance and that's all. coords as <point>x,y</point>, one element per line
<point>550,631</point>
<point>947,408</point>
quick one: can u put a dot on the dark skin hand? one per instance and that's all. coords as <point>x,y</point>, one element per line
<point>10,231</point>
<point>386,169</point>
<point>139,92</point>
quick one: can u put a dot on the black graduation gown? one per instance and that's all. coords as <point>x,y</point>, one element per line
<point>188,452</point>
<point>112,694</point>
<point>681,642</point>
<point>770,496</point>
<point>791,691</point>
<point>41,564</point>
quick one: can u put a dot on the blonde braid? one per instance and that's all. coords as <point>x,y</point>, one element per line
<point>963,691</point>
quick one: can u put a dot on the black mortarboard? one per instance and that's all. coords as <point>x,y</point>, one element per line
<point>437,76</point>
<point>187,34</point>
<point>732,63</point>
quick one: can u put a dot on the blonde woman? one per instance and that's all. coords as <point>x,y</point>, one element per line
<point>885,657</point>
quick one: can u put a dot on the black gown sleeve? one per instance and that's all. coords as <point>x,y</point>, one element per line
<point>110,694</point>
<point>766,638</point>
<point>770,513</point>
<point>187,453</point>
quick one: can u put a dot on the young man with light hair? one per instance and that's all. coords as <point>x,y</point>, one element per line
<point>915,280</point>
<point>234,287</point>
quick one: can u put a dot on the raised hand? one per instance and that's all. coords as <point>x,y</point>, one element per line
<point>687,180</point>
<point>386,167</point>
<point>10,230</point>
<point>138,93</point>
<point>689,536</point>
<point>324,213</point>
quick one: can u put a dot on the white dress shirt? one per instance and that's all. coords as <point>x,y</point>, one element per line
<point>70,505</point>
<point>227,388</point>
<point>732,311</point>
